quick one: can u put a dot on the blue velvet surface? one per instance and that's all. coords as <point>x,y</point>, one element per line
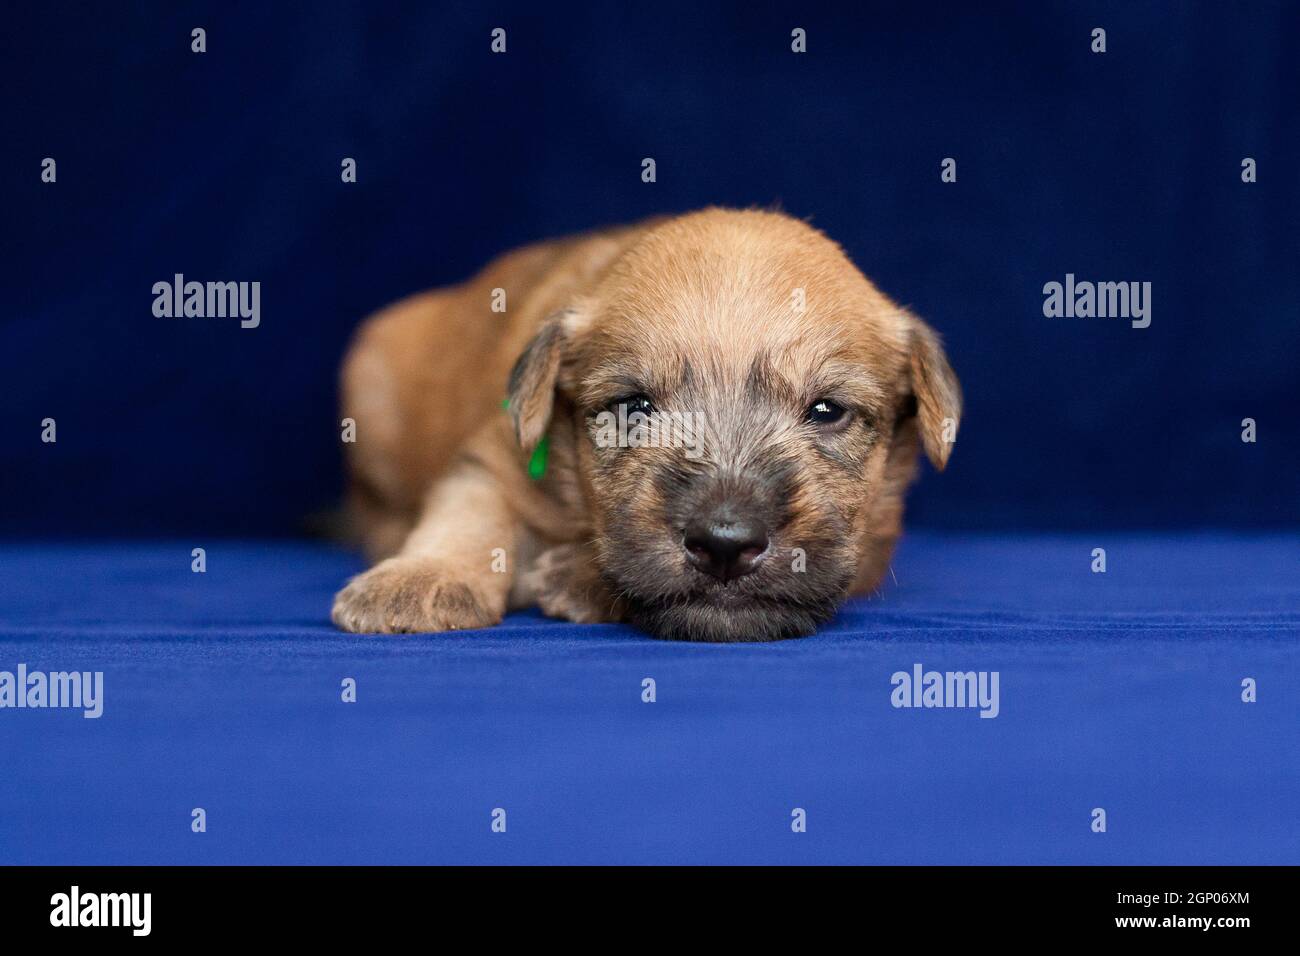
<point>222,691</point>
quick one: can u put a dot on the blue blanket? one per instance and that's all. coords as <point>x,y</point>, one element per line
<point>222,691</point>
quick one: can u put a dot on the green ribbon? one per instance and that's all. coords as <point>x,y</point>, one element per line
<point>537,463</point>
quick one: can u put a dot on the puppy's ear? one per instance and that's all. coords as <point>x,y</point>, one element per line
<point>936,390</point>
<point>531,388</point>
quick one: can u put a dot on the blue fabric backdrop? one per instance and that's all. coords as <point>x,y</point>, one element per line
<point>222,691</point>
<point>226,166</point>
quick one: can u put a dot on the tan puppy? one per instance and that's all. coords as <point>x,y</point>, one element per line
<point>730,411</point>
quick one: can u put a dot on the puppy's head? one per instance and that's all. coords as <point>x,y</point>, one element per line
<point>747,409</point>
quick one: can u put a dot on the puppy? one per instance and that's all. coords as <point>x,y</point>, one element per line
<point>808,395</point>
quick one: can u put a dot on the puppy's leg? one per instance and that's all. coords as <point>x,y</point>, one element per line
<point>564,582</point>
<point>448,574</point>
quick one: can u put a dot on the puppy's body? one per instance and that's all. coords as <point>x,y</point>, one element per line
<point>753,322</point>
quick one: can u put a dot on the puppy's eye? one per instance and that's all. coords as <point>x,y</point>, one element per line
<point>826,412</point>
<point>636,403</point>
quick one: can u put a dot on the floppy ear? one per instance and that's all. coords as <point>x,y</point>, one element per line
<point>532,382</point>
<point>937,393</point>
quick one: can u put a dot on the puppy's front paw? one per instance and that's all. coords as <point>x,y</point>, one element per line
<point>407,595</point>
<point>565,584</point>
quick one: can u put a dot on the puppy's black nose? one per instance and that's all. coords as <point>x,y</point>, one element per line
<point>725,547</point>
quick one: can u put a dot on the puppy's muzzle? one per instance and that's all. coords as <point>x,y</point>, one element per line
<point>725,543</point>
